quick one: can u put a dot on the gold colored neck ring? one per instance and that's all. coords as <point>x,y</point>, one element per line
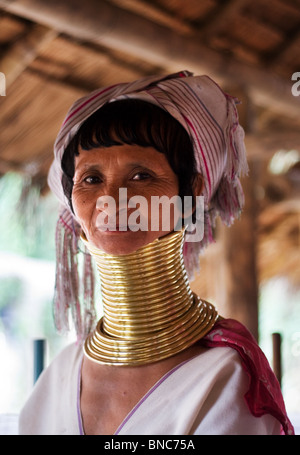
<point>149,310</point>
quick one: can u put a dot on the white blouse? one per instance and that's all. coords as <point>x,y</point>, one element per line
<point>201,396</point>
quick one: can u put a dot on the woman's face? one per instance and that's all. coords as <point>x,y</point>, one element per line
<point>107,217</point>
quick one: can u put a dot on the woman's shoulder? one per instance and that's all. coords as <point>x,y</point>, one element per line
<point>72,354</point>
<point>63,366</point>
<point>54,395</point>
<point>216,363</point>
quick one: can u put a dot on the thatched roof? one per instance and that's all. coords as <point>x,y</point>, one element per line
<point>53,52</point>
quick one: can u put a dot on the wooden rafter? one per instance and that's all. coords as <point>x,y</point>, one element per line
<point>216,21</point>
<point>105,24</point>
<point>23,52</point>
<point>282,50</point>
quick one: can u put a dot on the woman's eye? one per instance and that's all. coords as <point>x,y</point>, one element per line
<point>92,180</point>
<point>141,176</point>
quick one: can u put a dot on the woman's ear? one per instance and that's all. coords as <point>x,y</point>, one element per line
<point>190,206</point>
<point>198,185</point>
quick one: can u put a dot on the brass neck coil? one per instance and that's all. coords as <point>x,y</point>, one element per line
<point>149,310</point>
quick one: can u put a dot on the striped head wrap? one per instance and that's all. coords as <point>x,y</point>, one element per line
<point>210,117</point>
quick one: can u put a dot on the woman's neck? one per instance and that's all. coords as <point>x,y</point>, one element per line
<point>149,310</point>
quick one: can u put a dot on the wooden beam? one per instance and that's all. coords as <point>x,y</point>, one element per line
<point>108,25</point>
<point>24,51</point>
<point>155,13</point>
<point>261,147</point>
<point>277,56</point>
<point>216,20</point>
<point>278,209</point>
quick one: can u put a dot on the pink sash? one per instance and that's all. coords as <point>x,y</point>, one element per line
<point>264,395</point>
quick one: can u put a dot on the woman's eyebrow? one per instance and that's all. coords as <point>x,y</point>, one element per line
<point>140,164</point>
<point>99,166</point>
<point>89,166</point>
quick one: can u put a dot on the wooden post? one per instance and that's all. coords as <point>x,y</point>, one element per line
<point>276,342</point>
<point>237,293</point>
<point>38,358</point>
<point>237,283</point>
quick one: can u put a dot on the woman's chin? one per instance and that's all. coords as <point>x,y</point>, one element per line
<point>121,242</point>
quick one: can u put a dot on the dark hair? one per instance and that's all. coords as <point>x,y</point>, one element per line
<point>133,121</point>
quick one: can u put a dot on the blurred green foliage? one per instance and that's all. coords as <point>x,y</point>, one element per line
<point>27,218</point>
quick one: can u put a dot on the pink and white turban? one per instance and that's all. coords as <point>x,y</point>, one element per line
<point>209,116</point>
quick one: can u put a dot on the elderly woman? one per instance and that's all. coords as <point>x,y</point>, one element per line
<point>160,360</point>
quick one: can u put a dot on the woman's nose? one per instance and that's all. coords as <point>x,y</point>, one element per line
<point>114,197</point>
<point>112,210</point>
